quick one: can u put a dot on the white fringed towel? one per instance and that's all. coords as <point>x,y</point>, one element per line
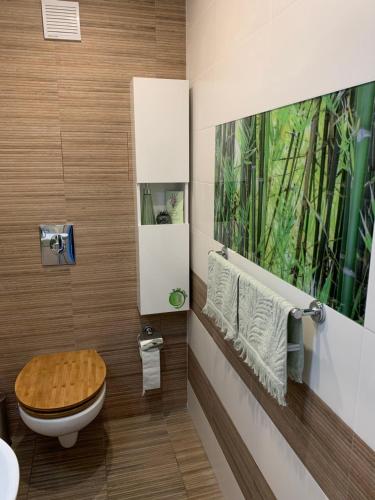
<point>264,329</point>
<point>221,305</point>
<point>258,322</point>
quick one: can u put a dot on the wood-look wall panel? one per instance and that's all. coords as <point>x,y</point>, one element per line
<point>93,106</point>
<point>35,65</point>
<point>31,152</point>
<point>170,19</point>
<point>65,139</point>
<point>93,200</point>
<point>35,109</point>
<point>97,156</point>
<point>114,241</point>
<point>362,471</point>
<point>341,463</point>
<point>31,203</point>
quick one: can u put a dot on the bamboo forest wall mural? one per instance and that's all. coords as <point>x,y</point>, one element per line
<point>295,193</point>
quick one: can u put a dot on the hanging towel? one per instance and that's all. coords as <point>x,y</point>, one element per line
<point>264,329</point>
<point>222,294</point>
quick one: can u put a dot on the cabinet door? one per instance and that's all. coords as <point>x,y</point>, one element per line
<point>163,260</point>
<point>161,129</point>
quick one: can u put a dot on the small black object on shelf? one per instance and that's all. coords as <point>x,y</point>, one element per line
<point>163,217</point>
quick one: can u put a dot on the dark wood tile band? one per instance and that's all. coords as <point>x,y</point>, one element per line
<point>341,463</point>
<point>247,473</point>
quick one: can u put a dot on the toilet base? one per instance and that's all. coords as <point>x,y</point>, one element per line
<point>68,440</point>
<point>66,429</point>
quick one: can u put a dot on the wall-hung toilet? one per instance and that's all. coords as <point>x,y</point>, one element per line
<point>59,394</point>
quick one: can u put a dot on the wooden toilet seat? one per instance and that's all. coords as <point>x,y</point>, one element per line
<point>61,384</point>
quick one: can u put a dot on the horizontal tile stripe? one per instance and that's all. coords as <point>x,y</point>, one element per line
<point>334,455</point>
<point>247,473</point>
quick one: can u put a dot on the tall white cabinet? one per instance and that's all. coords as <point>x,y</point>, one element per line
<point>160,126</point>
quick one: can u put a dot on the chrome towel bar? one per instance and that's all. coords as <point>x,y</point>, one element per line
<point>316,309</point>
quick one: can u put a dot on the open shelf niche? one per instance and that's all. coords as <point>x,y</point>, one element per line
<point>160,192</point>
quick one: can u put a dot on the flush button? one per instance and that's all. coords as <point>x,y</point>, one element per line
<point>57,244</point>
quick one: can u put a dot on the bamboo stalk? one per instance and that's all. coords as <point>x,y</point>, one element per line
<point>310,159</point>
<point>333,156</point>
<point>253,202</point>
<point>247,131</point>
<point>365,95</point>
<point>287,160</point>
<point>323,157</point>
<point>262,183</point>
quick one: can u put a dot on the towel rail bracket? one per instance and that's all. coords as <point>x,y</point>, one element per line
<point>223,252</point>
<point>316,311</point>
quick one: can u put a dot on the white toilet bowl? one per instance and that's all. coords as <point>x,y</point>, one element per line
<point>64,428</point>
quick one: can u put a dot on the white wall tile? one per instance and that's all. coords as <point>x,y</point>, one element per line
<point>201,38</point>
<point>224,475</point>
<point>279,5</point>
<point>201,244</point>
<point>203,155</point>
<point>261,55</point>
<point>195,8</point>
<point>202,207</point>
<point>282,469</point>
<point>200,247</point>
<point>300,54</point>
<point>291,50</point>
<point>364,424</point>
<point>236,21</point>
<point>202,99</point>
<point>198,341</point>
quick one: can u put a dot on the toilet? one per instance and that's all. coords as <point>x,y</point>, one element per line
<point>59,394</point>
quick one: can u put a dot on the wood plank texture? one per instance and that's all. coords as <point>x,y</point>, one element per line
<point>341,463</point>
<point>248,475</point>
<point>155,456</point>
<point>65,157</point>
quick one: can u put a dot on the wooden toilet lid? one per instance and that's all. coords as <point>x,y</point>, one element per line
<point>57,382</point>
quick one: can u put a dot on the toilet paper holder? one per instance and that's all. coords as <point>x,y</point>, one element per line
<point>149,339</point>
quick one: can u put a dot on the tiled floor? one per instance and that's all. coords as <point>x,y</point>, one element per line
<point>146,457</point>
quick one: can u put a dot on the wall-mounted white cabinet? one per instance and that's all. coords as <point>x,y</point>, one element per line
<point>160,114</point>
<point>161,129</point>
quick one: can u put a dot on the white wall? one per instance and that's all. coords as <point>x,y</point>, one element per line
<point>248,56</point>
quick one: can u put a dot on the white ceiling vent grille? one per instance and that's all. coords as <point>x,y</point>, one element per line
<point>61,20</point>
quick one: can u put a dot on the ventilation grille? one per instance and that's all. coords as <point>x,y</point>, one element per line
<point>61,20</point>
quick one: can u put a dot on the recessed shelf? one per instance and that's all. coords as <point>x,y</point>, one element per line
<point>171,197</point>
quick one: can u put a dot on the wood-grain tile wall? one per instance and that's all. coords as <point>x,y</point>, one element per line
<point>64,157</point>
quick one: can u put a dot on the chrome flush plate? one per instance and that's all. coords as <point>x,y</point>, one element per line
<point>57,244</point>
